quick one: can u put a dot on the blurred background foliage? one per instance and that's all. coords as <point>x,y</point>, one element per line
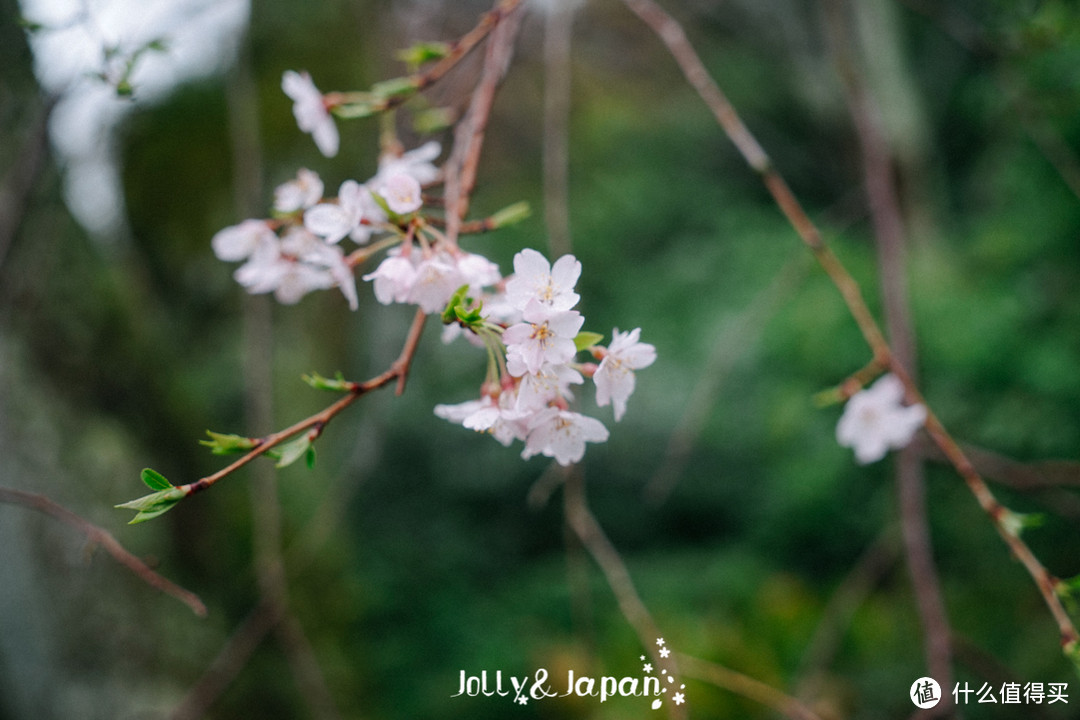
<point>411,550</point>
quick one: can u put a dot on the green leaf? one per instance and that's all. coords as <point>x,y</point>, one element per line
<point>155,480</point>
<point>394,87</point>
<point>288,453</point>
<point>423,52</point>
<point>449,314</point>
<point>29,25</point>
<point>586,340</point>
<point>309,457</point>
<point>150,506</point>
<point>358,108</point>
<point>338,384</point>
<point>222,444</point>
<point>510,215</point>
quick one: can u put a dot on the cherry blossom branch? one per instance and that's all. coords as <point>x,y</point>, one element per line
<point>168,495</point>
<point>99,536</point>
<point>457,50</point>
<point>1007,523</point>
<point>398,371</point>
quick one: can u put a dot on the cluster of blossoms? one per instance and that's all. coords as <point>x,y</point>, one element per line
<point>532,349</point>
<point>527,322</point>
<point>875,420</point>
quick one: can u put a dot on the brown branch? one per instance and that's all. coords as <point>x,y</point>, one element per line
<point>458,50</point>
<point>461,167</point>
<point>315,424</point>
<point>99,536</point>
<point>672,34</point>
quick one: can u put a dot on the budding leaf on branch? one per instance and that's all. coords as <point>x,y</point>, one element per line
<point>155,480</point>
<point>222,444</point>
<point>338,384</point>
<point>423,52</point>
<point>157,503</point>
<point>585,340</point>
<point>510,215</point>
<point>394,87</point>
<point>288,453</point>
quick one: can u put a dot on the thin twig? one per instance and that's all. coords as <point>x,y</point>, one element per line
<point>734,340</point>
<point>231,659</point>
<point>398,371</point>
<point>458,50</point>
<point>99,536</point>
<point>874,564</point>
<point>1004,520</point>
<point>558,27</point>
<point>580,518</point>
<point>890,235</point>
<point>746,686</point>
<point>461,167</point>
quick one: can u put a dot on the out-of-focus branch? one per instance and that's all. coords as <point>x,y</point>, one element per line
<point>461,167</point>
<point>230,660</point>
<point>733,341</point>
<point>558,26</point>
<point>584,524</point>
<point>22,175</point>
<point>258,325</point>
<point>1005,522</point>
<point>100,536</point>
<point>745,686</point>
<point>874,564</point>
<point>891,237</point>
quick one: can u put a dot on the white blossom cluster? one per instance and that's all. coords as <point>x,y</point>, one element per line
<point>527,322</point>
<point>529,401</point>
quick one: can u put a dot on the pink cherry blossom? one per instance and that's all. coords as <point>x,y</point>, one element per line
<point>310,111</point>
<point>302,192</point>
<point>875,421</point>
<point>562,435</point>
<point>614,377</point>
<point>335,221</point>
<point>535,279</point>
<point>401,193</point>
<point>239,242</point>
<point>545,336</point>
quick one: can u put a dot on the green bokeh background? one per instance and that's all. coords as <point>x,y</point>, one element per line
<point>115,355</point>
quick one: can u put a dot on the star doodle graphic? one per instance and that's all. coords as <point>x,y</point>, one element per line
<point>678,698</point>
<point>660,642</point>
<point>522,700</point>
<point>647,668</point>
<point>664,652</point>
